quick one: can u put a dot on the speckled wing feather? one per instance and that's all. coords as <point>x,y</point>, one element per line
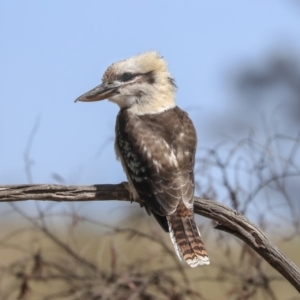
<point>158,151</point>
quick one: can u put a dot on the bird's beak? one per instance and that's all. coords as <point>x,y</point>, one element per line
<point>100,92</point>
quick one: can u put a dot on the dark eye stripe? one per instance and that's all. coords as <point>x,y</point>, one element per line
<point>149,77</point>
<point>127,76</point>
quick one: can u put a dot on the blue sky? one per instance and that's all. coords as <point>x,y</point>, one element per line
<point>53,51</point>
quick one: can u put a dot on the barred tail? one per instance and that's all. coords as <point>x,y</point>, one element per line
<point>187,240</point>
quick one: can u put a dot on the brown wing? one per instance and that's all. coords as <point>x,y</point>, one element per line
<point>159,152</point>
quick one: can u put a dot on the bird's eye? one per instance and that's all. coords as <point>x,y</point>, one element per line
<point>127,76</point>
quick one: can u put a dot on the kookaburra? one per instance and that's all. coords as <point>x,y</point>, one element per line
<point>156,144</point>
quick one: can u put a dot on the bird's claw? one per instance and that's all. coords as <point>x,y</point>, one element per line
<point>127,187</point>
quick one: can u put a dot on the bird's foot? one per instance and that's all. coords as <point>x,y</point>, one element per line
<point>127,187</point>
<point>132,196</point>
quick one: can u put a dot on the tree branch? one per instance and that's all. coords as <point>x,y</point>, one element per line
<point>228,219</point>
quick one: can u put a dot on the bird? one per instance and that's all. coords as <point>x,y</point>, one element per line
<point>156,143</point>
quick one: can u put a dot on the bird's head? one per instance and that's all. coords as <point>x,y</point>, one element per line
<point>141,83</point>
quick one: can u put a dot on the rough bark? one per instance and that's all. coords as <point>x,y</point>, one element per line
<point>228,219</point>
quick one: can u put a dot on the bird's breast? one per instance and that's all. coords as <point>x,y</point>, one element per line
<point>129,158</point>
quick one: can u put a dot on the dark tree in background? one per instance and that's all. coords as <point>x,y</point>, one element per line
<point>273,83</point>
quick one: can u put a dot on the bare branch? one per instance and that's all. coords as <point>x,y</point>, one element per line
<point>65,193</point>
<point>229,220</point>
